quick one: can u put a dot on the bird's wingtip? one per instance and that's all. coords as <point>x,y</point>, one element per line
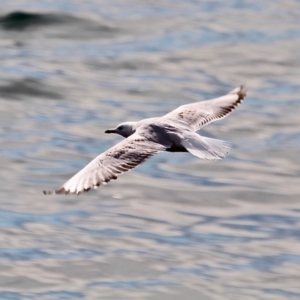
<point>59,191</point>
<point>241,91</point>
<point>47,192</point>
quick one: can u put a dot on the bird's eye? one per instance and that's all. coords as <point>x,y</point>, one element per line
<point>121,127</point>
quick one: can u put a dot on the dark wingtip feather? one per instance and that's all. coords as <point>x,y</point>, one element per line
<point>47,192</point>
<point>242,92</point>
<point>60,191</point>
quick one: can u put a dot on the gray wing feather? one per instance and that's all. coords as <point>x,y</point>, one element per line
<point>123,157</point>
<point>200,114</point>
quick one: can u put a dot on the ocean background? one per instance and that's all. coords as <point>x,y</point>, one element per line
<point>177,227</point>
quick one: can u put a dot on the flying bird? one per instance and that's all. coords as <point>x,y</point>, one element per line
<point>173,132</point>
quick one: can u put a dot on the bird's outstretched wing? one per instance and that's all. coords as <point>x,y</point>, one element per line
<point>122,157</point>
<point>200,114</point>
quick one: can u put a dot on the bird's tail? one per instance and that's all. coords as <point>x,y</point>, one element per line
<point>204,147</point>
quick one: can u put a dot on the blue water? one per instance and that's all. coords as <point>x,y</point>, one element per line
<point>176,227</point>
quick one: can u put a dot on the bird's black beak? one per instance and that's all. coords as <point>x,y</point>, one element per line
<point>110,131</point>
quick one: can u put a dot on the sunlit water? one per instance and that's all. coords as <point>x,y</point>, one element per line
<point>176,227</point>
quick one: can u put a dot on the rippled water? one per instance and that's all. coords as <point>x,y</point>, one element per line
<point>177,227</point>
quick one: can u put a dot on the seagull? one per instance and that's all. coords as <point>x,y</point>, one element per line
<point>173,132</point>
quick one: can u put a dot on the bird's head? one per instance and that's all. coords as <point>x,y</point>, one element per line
<point>125,129</point>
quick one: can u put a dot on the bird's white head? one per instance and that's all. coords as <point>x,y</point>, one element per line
<point>125,129</point>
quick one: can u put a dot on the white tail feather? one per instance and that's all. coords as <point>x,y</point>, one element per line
<point>204,147</point>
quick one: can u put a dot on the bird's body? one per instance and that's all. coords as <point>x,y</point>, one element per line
<point>173,132</point>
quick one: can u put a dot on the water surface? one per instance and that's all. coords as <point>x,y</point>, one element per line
<point>176,227</point>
